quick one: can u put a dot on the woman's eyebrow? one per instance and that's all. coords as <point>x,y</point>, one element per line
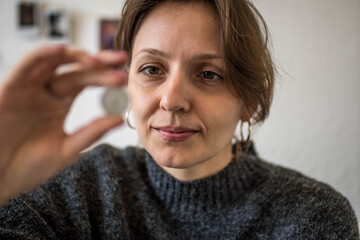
<point>155,52</point>
<point>207,56</point>
<point>152,51</point>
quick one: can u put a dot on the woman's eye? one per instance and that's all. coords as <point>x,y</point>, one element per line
<point>211,76</point>
<point>150,70</point>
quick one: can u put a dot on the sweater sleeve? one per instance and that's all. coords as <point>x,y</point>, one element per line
<point>20,219</point>
<point>82,202</point>
<point>45,213</point>
<point>51,211</point>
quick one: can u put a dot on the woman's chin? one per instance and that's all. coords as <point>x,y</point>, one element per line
<point>174,162</point>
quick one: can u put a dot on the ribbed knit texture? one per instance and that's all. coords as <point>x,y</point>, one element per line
<point>124,194</point>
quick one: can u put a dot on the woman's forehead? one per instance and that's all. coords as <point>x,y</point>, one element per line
<point>188,27</point>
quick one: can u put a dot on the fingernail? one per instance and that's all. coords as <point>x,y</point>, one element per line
<point>121,55</point>
<point>116,78</point>
<point>119,74</point>
<point>94,61</point>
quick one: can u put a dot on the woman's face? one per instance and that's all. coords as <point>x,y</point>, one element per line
<point>184,113</point>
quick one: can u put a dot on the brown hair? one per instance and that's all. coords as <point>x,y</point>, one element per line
<point>244,34</point>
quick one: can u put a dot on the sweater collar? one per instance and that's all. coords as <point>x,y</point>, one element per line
<point>215,191</point>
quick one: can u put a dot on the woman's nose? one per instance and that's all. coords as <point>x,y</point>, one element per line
<point>175,95</point>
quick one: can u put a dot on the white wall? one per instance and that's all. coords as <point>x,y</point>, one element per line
<point>314,122</point>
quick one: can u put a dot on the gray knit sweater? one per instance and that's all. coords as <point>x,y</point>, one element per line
<point>123,194</point>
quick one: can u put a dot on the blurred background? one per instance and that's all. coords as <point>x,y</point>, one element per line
<point>313,125</point>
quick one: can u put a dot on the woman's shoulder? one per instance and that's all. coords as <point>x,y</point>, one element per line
<point>284,181</point>
<point>300,203</point>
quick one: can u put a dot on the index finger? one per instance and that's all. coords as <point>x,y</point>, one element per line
<point>113,58</point>
<point>43,62</point>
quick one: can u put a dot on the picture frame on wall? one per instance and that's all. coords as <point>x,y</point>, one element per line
<point>28,19</point>
<point>57,26</point>
<point>108,29</point>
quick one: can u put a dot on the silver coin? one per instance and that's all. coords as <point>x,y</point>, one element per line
<point>115,101</point>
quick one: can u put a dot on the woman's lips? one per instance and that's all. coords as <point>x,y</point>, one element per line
<point>175,134</point>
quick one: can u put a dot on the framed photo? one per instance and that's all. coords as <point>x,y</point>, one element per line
<point>28,20</point>
<point>57,25</point>
<point>108,28</point>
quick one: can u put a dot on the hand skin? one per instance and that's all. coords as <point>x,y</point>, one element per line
<point>33,144</point>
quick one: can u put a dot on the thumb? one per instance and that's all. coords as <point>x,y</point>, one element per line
<point>87,135</point>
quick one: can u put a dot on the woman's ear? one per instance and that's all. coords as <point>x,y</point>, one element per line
<point>245,116</point>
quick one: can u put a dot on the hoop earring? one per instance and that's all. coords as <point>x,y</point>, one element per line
<point>127,118</point>
<point>236,147</point>
<point>245,143</point>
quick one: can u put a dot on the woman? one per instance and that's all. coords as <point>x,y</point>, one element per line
<point>196,68</point>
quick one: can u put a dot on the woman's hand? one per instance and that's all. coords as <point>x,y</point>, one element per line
<point>34,101</point>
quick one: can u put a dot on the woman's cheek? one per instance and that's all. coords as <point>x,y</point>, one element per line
<point>144,107</point>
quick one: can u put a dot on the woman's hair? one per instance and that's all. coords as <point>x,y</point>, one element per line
<point>244,36</point>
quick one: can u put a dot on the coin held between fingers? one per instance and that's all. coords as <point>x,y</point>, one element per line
<point>115,101</point>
